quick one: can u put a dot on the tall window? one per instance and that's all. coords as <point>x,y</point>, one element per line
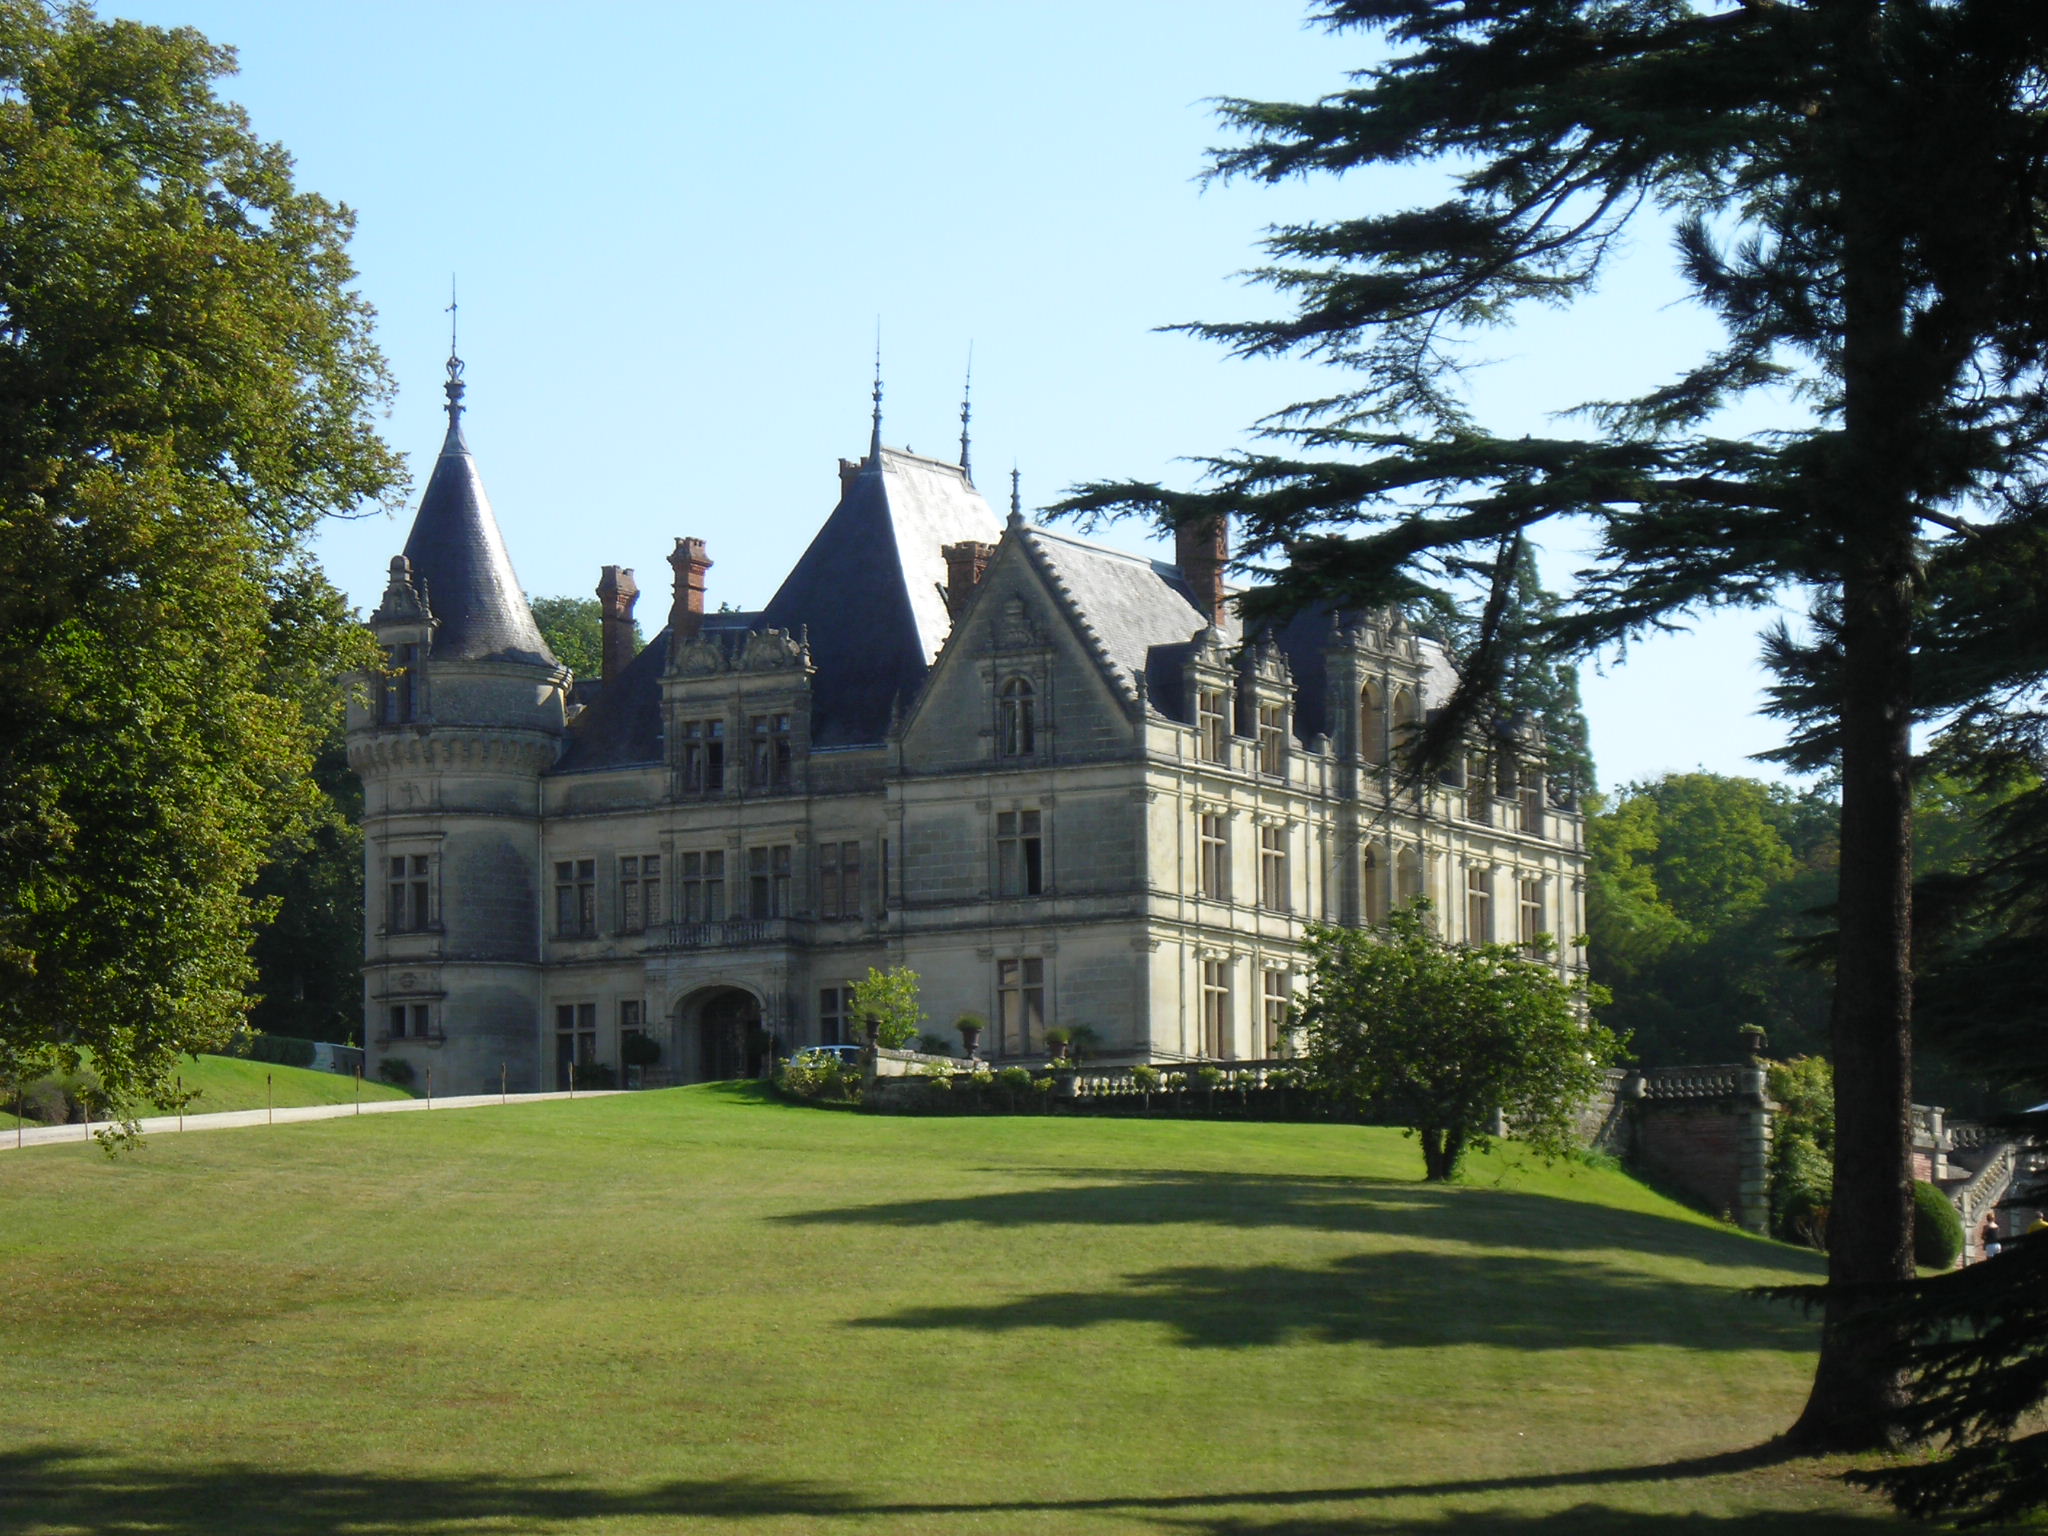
<point>1478,789</point>
<point>401,685</point>
<point>1478,905</point>
<point>1407,716</point>
<point>575,1039</point>
<point>575,898</point>
<point>1273,739</point>
<point>1216,1009</point>
<point>1212,721</point>
<point>1020,854</point>
<point>1273,869</point>
<point>632,1025</point>
<point>1213,855</point>
<point>1373,876</point>
<point>703,892</point>
<point>1532,801</point>
<point>1020,1005</point>
<point>1407,876</point>
<point>838,880</point>
<point>704,757</point>
<point>414,1021</point>
<point>409,903</point>
<point>1532,910</point>
<point>1016,719</point>
<point>1372,724</point>
<point>768,881</point>
<point>835,1012</point>
<point>771,753</point>
<point>1277,989</point>
<point>639,892</point>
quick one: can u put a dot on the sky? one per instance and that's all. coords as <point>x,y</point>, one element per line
<point>675,230</point>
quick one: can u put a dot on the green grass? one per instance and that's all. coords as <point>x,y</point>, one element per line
<point>697,1311</point>
<point>226,1082</point>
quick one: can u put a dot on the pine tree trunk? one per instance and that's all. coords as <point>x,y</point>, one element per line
<point>1859,1383</point>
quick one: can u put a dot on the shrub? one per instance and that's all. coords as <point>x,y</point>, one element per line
<point>278,1050</point>
<point>819,1077</point>
<point>1937,1229</point>
<point>595,1074</point>
<point>982,1078</point>
<point>1147,1078</point>
<point>1083,1041</point>
<point>396,1071</point>
<point>934,1045</point>
<point>640,1051</point>
<point>1211,1077</point>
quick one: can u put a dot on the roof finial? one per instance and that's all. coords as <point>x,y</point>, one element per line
<point>966,399</point>
<point>453,387</point>
<point>1016,499</point>
<point>875,438</point>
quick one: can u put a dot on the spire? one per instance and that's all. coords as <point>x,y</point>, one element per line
<point>1016,499</point>
<point>875,438</point>
<point>966,399</point>
<point>453,388</point>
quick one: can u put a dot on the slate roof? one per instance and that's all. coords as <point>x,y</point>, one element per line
<point>460,563</point>
<point>622,725</point>
<point>869,591</point>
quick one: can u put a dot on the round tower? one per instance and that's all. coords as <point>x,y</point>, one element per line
<point>450,740</point>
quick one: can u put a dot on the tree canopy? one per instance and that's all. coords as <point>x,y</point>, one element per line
<point>1856,193</point>
<point>186,386</point>
<point>1442,1037</point>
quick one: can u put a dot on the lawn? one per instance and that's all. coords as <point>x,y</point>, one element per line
<point>226,1082</point>
<point>695,1310</point>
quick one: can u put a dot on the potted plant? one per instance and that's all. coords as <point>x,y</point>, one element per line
<point>1059,1038</point>
<point>970,1026</point>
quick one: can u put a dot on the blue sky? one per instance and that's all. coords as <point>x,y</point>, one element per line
<point>675,227</point>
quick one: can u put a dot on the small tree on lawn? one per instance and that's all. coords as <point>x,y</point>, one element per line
<point>889,999</point>
<point>1441,1036</point>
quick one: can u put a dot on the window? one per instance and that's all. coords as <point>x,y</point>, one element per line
<point>1407,716</point>
<point>1016,719</point>
<point>1278,986</point>
<point>1478,790</point>
<point>1216,1009</point>
<point>703,893</point>
<point>575,898</point>
<point>1020,1005</point>
<point>1372,724</point>
<point>768,881</point>
<point>882,885</point>
<point>1407,876</point>
<point>1211,721</point>
<point>401,685</point>
<point>839,880</point>
<point>575,1039</point>
<point>639,892</point>
<point>1374,878</point>
<point>1532,802</point>
<point>770,752</point>
<point>1213,864</point>
<point>1273,740</point>
<point>632,1027</point>
<point>414,1021</point>
<point>1532,910</point>
<point>408,905</point>
<point>1478,905</point>
<point>1273,869</point>
<point>1020,854</point>
<point>704,757</point>
<point>835,1013</point>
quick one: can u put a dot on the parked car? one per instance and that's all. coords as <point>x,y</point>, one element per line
<point>848,1054</point>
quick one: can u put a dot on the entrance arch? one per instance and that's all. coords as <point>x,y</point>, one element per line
<point>719,1033</point>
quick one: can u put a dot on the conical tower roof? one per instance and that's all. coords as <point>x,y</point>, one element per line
<point>460,563</point>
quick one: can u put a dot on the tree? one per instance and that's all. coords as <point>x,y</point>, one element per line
<point>888,1000</point>
<point>186,386</point>
<point>1890,283</point>
<point>1442,1037</point>
<point>574,630</point>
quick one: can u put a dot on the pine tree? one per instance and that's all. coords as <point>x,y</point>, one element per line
<point>1857,192</point>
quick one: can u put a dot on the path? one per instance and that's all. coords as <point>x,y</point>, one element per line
<point>229,1119</point>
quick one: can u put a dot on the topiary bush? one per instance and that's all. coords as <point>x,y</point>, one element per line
<point>1937,1228</point>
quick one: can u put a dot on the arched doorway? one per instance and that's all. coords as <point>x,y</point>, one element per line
<point>721,1035</point>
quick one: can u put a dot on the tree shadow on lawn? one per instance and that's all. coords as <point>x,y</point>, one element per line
<point>1491,1218</point>
<point>1402,1300</point>
<point>77,1491</point>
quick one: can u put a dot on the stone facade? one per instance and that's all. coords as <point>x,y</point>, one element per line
<point>1052,778</point>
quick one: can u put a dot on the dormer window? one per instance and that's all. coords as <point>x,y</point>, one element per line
<point>1212,720</point>
<point>772,754</point>
<point>1372,725</point>
<point>1016,719</point>
<point>1273,740</point>
<point>704,757</point>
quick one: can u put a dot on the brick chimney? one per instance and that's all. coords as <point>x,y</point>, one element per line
<point>616,594</point>
<point>686,615</point>
<point>964,565</point>
<point>1202,550</point>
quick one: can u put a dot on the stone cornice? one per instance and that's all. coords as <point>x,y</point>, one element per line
<point>460,749</point>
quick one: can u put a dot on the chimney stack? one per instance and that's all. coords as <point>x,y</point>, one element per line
<point>686,616</point>
<point>964,565</point>
<point>616,594</point>
<point>1202,550</point>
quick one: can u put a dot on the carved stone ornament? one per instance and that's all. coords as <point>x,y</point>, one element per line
<point>697,658</point>
<point>1018,630</point>
<point>771,650</point>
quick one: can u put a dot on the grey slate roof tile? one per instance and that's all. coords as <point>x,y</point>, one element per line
<point>459,560</point>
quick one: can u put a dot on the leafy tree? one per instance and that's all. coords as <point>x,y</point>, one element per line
<point>186,385</point>
<point>1442,1037</point>
<point>574,630</point>
<point>1891,281</point>
<point>888,999</point>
